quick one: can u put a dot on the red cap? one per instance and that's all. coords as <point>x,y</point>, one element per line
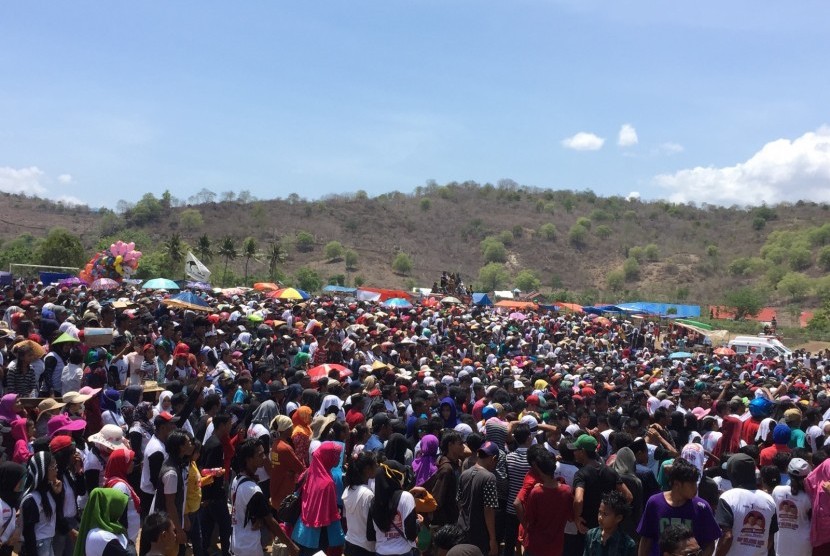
<point>181,350</point>
<point>374,393</point>
<point>60,443</point>
<point>167,416</point>
<point>403,389</point>
<point>533,399</point>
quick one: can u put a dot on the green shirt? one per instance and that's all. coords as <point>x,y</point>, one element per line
<point>619,544</point>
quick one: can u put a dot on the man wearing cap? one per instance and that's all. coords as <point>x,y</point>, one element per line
<point>478,500</point>
<point>746,514</point>
<point>591,483</point>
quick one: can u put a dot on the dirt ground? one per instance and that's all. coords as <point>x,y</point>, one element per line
<point>813,346</point>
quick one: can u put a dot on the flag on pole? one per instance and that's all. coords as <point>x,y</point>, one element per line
<point>195,270</point>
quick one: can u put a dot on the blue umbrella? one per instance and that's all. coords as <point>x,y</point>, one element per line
<point>188,300</point>
<point>680,355</point>
<point>160,284</point>
<point>397,303</point>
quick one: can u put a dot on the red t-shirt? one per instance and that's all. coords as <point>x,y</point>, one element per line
<point>545,529</point>
<point>285,470</point>
<point>768,453</point>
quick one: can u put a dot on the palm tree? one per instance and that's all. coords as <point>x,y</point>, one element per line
<point>249,251</point>
<point>204,249</point>
<point>173,251</point>
<point>228,252</point>
<point>275,256</point>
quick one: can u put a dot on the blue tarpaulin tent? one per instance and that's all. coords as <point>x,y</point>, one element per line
<point>601,309</point>
<point>481,299</point>
<point>52,277</point>
<point>6,278</point>
<point>661,309</point>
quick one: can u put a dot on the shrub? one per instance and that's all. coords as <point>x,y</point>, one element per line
<point>305,241</point>
<point>577,235</point>
<point>631,268</point>
<point>307,279</point>
<point>746,301</point>
<point>548,231</point>
<point>603,232</point>
<point>402,264</point>
<point>351,259</point>
<point>583,221</point>
<point>801,258</point>
<point>425,204</point>
<point>506,237</point>
<point>492,276</point>
<point>333,250</point>
<point>527,281</point>
<point>615,280</point>
<point>652,253</point>
<point>795,285</point>
<point>637,253</point>
<point>712,251</point>
<point>191,220</point>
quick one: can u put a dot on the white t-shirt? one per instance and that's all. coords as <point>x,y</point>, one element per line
<point>567,472</point>
<point>71,377</point>
<point>98,539</point>
<point>244,540</point>
<point>153,446</point>
<point>793,536</point>
<point>93,463</point>
<point>392,542</point>
<point>356,504</point>
<point>112,418</point>
<point>134,361</point>
<point>133,517</point>
<point>8,521</point>
<point>258,430</point>
<point>752,513</point>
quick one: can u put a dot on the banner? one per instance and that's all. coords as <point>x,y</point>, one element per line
<point>195,270</point>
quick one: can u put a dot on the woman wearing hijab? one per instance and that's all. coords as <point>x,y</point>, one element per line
<point>260,429</point>
<point>22,431</point>
<point>332,401</point>
<point>119,467</point>
<point>10,408</point>
<point>397,448</point>
<point>12,477</point>
<point>132,397</point>
<point>625,464</point>
<point>319,525</point>
<point>394,521</point>
<point>164,404</point>
<point>101,532</point>
<point>448,413</point>
<point>730,441</point>
<point>41,506</point>
<point>111,409</point>
<point>763,438</point>
<point>301,435</point>
<point>425,464</point>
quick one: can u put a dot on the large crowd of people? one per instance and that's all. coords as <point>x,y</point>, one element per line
<point>339,426</point>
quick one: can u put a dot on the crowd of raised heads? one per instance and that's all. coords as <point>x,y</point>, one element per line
<point>338,426</point>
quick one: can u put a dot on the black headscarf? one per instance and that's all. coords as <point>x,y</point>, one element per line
<point>396,448</point>
<point>389,481</point>
<point>10,476</point>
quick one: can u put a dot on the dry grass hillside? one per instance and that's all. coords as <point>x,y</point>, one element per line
<point>441,228</point>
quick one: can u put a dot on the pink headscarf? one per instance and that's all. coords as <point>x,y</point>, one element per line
<point>319,496</point>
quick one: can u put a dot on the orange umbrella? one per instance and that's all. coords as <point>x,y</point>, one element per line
<point>266,286</point>
<point>725,351</point>
<point>324,370</point>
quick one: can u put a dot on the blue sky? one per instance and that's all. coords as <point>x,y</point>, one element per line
<point>105,101</point>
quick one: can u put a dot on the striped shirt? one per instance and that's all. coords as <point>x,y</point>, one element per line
<point>517,468</point>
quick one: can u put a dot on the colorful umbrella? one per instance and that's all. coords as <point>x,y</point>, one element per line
<point>517,316</point>
<point>397,303</point>
<point>451,300</point>
<point>160,284</point>
<point>188,300</point>
<point>266,286</point>
<point>324,370</point>
<point>204,286</point>
<point>104,284</point>
<point>230,292</point>
<point>680,355</point>
<point>289,293</point>
<point>725,351</point>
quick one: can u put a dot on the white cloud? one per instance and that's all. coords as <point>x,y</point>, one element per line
<point>22,180</point>
<point>670,148</point>
<point>65,178</point>
<point>783,170</point>
<point>633,196</point>
<point>628,136</point>
<point>583,141</point>
<point>69,200</point>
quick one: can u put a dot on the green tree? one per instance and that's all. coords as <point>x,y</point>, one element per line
<point>249,251</point>
<point>527,281</point>
<point>402,264</point>
<point>800,258</point>
<point>174,251</point>
<point>615,280</point>
<point>712,251</point>
<point>494,251</point>
<point>351,259</point>
<point>307,279</point>
<point>583,221</point>
<point>823,258</point>
<point>166,199</point>
<point>506,237</point>
<point>795,285</point>
<point>359,281</point>
<point>204,249</point>
<point>228,252</point>
<point>147,210</point>
<point>191,220</point>
<point>577,235</point>
<point>651,252</point>
<point>747,301</point>
<point>110,223</point>
<point>637,253</point>
<point>631,268</point>
<point>333,250</point>
<point>305,241</point>
<point>426,204</point>
<point>603,231</point>
<point>60,248</point>
<point>493,276</point>
<point>548,231</point>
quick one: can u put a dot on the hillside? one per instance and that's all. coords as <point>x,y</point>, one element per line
<point>690,256</point>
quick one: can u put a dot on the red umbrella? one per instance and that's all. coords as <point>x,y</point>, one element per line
<point>324,370</point>
<point>725,351</point>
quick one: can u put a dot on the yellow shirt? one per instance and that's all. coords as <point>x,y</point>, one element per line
<point>195,482</point>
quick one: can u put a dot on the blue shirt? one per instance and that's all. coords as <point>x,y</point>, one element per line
<point>374,444</point>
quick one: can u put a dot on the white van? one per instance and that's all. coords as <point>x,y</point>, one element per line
<point>764,345</point>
